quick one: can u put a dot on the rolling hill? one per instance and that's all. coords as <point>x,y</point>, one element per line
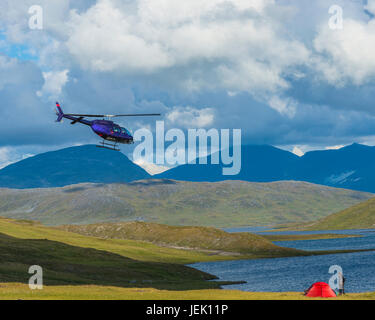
<point>70,166</point>
<point>202,238</point>
<point>219,204</point>
<point>351,167</point>
<point>360,216</point>
<point>72,259</point>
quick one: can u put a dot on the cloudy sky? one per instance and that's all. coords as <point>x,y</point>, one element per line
<point>286,72</point>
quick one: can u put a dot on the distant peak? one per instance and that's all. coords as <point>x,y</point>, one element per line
<point>357,145</point>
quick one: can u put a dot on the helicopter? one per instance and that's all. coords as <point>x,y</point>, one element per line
<point>106,129</point>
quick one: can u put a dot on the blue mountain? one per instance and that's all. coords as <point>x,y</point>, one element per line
<point>71,166</point>
<point>352,167</point>
<point>261,163</point>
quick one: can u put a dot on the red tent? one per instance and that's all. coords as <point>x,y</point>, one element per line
<point>320,289</point>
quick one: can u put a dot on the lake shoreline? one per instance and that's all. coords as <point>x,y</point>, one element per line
<point>353,252</point>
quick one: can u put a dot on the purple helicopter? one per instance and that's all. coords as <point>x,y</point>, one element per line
<point>108,130</point>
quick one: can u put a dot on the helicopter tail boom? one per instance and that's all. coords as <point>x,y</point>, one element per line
<point>60,115</point>
<point>59,112</point>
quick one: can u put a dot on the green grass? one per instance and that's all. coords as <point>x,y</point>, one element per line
<point>137,250</point>
<point>70,265</point>
<point>68,258</point>
<point>13,291</point>
<point>219,204</point>
<point>218,244</point>
<point>147,251</point>
<point>360,216</point>
<point>192,237</point>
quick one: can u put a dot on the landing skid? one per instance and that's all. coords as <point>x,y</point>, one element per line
<point>109,146</point>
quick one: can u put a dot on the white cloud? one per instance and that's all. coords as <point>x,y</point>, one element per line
<point>297,151</point>
<point>370,6</point>
<point>5,156</point>
<point>239,46</point>
<point>54,81</point>
<point>335,147</point>
<point>169,12</point>
<point>151,168</point>
<point>115,44</point>
<point>285,106</point>
<point>9,155</point>
<point>7,74</point>
<point>189,117</point>
<point>347,55</point>
<point>231,45</point>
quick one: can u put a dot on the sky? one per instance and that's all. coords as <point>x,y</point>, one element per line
<point>289,73</point>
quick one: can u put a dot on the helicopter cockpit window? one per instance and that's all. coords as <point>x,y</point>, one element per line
<point>123,130</point>
<point>117,130</point>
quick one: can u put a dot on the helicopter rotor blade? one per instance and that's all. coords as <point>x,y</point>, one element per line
<point>133,115</point>
<point>85,115</point>
<point>112,115</point>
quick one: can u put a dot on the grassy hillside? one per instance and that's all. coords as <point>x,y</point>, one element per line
<point>220,204</point>
<point>202,238</point>
<point>65,264</point>
<point>214,242</point>
<point>21,291</point>
<point>137,250</point>
<point>69,258</point>
<point>79,260</point>
<point>360,216</point>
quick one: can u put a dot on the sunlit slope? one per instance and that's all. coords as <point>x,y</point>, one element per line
<point>201,238</point>
<point>138,250</point>
<point>219,204</point>
<point>360,216</point>
<point>65,264</point>
<point>69,258</point>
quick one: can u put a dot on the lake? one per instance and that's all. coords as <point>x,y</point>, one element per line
<point>298,273</point>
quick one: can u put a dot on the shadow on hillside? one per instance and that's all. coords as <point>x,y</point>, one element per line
<point>152,182</point>
<point>64,264</point>
<point>83,188</point>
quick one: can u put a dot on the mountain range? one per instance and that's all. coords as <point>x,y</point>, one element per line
<point>351,167</point>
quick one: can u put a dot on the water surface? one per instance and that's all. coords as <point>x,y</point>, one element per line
<point>298,273</point>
